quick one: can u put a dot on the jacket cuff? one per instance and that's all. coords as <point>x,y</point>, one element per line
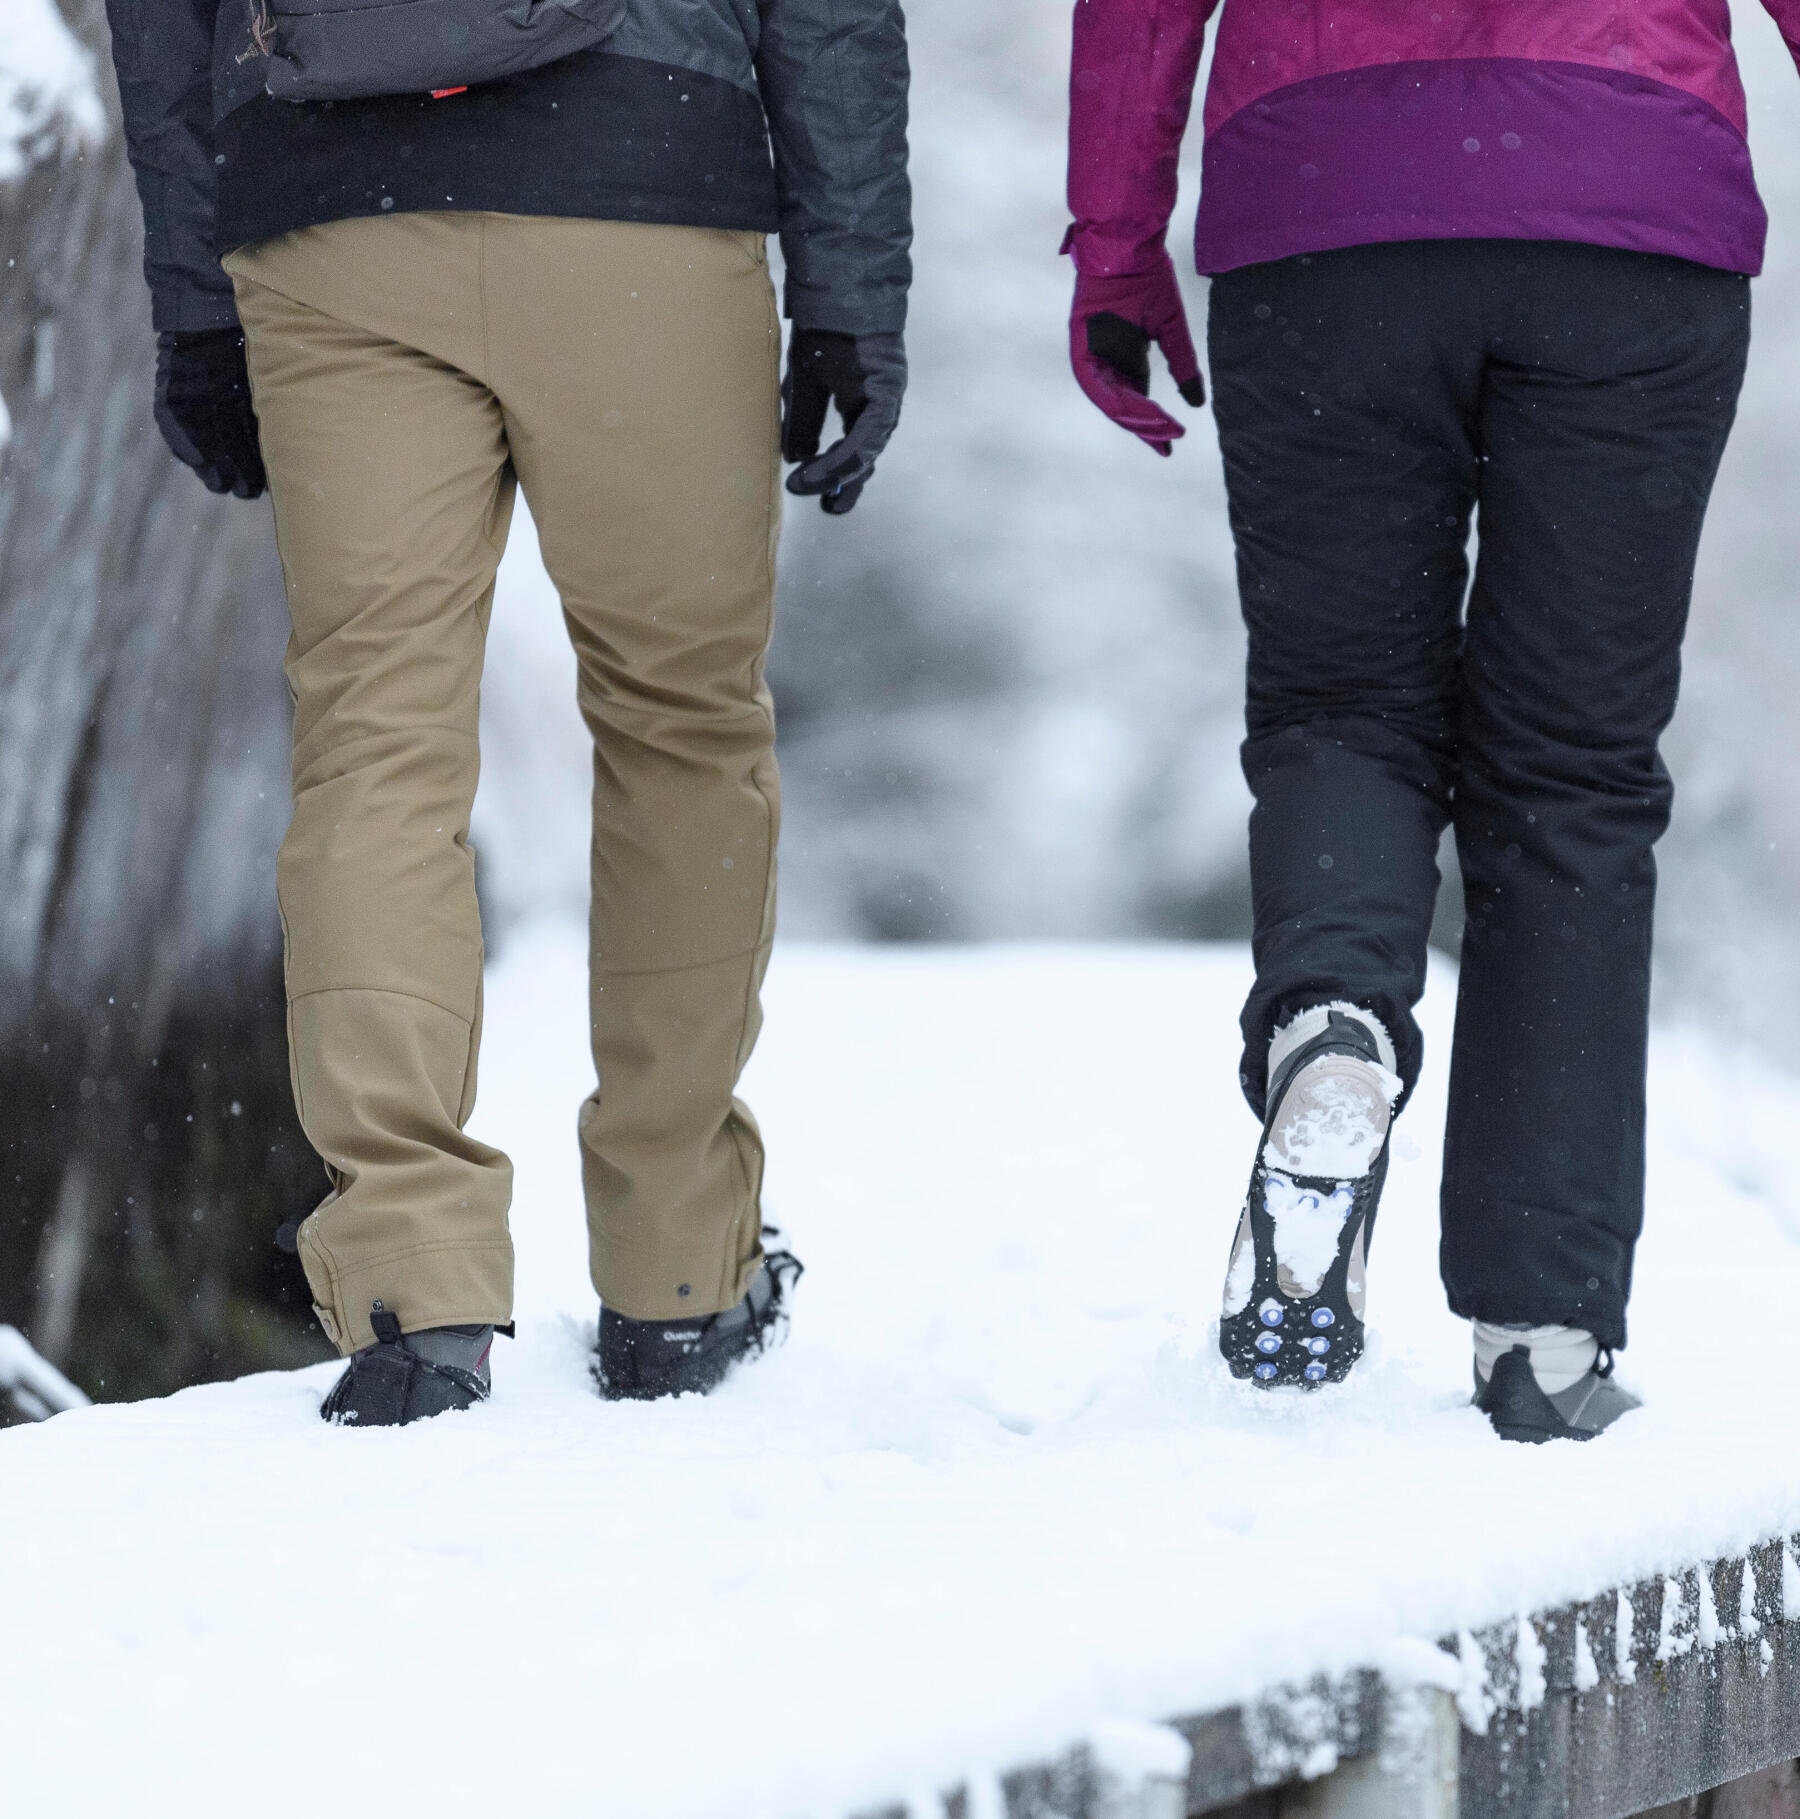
<point>883,314</point>
<point>1113,252</point>
<point>188,312</point>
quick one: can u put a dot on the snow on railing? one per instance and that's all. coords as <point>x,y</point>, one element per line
<point>49,98</point>
<point>35,1386</point>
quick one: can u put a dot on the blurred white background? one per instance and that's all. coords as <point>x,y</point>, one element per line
<point>1010,682</point>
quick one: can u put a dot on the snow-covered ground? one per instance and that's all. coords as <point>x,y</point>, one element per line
<point>997,1490</point>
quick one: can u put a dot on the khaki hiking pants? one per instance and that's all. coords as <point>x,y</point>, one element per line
<point>408,371</point>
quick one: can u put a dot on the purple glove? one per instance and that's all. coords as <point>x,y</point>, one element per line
<point>1111,326</point>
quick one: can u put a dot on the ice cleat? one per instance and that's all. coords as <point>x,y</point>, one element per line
<point>409,1377</point>
<point>1549,1383</point>
<point>643,1360</point>
<point>1294,1291</point>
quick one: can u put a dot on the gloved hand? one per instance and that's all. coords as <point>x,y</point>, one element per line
<point>1111,326</point>
<point>865,377</point>
<point>203,408</point>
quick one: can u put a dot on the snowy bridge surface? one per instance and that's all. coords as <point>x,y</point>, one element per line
<point>996,1504</point>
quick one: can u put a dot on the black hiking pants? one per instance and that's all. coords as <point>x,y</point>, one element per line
<point>1369,401</point>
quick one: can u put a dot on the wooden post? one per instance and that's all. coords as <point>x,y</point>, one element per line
<point>1412,1775</point>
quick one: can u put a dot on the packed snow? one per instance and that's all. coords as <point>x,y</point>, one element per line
<point>997,1494</point>
<point>1334,1118</point>
<point>1309,1225</point>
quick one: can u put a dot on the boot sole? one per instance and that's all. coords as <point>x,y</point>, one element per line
<point>1538,1436</point>
<point>1330,1110</point>
<point>1277,1338</point>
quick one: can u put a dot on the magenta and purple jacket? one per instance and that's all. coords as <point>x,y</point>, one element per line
<point>1613,122</point>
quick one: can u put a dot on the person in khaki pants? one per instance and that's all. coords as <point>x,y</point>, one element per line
<point>397,372</point>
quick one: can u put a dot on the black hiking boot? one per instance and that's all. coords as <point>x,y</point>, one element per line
<point>1294,1291</point>
<point>641,1360</point>
<point>412,1376</point>
<point>1520,1409</point>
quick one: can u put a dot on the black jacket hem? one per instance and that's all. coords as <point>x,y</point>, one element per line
<point>596,136</point>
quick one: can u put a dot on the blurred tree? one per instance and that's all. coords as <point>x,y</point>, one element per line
<point>147,1144</point>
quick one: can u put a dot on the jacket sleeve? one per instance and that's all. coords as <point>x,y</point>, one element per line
<point>1786,14</point>
<point>162,50</point>
<point>834,78</point>
<point>1131,88</point>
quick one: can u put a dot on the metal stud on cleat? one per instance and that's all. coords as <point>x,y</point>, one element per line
<point>1271,1313</point>
<point>1268,1343</point>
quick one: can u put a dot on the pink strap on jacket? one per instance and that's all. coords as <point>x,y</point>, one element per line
<point>1131,89</point>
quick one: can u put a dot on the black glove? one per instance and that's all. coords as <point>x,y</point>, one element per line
<point>203,408</point>
<point>865,377</point>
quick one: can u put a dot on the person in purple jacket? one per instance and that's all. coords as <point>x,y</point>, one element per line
<point>1490,256</point>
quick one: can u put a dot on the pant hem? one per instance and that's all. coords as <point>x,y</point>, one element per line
<point>465,1284</point>
<point>629,1280</point>
<point>1606,1322</point>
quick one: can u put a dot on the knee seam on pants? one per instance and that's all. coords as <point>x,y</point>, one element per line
<point>685,966</point>
<point>444,728</point>
<point>751,712</point>
<point>388,991</point>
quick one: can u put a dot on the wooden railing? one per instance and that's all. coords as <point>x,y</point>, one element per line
<point>1628,1703</point>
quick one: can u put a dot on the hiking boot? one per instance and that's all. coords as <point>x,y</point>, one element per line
<point>1294,1290</point>
<point>1541,1383</point>
<point>407,1377</point>
<point>641,1360</point>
